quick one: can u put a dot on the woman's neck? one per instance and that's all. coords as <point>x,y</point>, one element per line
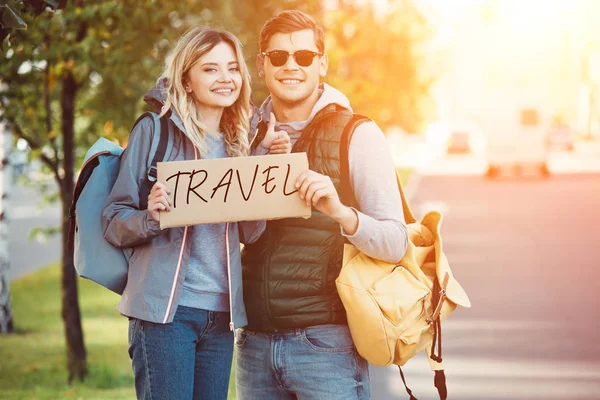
<point>210,117</point>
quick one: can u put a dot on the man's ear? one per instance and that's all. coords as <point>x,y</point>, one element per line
<point>260,62</point>
<point>323,65</point>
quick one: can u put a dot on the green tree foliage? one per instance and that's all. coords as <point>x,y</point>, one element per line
<point>73,75</point>
<point>11,15</point>
<point>379,62</point>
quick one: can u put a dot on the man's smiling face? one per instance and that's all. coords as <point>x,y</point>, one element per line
<point>291,83</point>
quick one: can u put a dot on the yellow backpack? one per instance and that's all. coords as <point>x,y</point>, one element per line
<point>395,310</point>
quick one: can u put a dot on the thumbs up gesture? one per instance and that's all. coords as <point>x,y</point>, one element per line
<point>277,142</point>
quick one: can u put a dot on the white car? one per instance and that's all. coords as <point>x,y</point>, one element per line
<point>517,144</point>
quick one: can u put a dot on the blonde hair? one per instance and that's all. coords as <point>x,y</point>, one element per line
<point>235,119</point>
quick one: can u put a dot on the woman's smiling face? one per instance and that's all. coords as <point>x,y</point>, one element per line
<point>215,80</point>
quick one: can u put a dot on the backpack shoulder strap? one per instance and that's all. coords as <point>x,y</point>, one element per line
<point>261,131</point>
<point>162,142</point>
<point>347,193</point>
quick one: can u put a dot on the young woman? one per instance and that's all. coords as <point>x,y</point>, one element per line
<point>184,294</point>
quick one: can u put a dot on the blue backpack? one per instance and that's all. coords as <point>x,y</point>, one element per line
<point>94,258</point>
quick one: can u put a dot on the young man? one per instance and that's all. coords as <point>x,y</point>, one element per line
<point>297,344</point>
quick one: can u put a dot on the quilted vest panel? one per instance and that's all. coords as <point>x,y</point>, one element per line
<point>289,273</point>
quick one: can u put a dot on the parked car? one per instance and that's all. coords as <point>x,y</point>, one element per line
<point>560,137</point>
<point>517,144</point>
<point>458,143</point>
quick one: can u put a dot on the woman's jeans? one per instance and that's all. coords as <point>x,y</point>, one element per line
<point>318,362</point>
<point>189,358</point>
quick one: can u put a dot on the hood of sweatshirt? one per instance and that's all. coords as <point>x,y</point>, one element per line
<point>156,98</point>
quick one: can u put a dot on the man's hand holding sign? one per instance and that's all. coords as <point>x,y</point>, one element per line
<point>314,188</point>
<point>318,190</point>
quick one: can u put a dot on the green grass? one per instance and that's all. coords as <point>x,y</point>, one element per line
<point>32,361</point>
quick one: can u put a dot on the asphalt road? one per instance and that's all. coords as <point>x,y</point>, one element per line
<point>26,213</point>
<point>527,252</point>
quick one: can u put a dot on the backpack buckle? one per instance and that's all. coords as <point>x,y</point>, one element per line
<point>152,174</point>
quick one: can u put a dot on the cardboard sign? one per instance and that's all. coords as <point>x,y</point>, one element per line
<point>233,189</point>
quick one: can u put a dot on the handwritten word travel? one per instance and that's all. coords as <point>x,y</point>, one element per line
<point>193,185</point>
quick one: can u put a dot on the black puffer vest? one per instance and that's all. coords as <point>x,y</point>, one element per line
<point>289,273</point>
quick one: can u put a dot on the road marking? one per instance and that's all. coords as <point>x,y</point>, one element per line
<point>16,213</point>
<point>491,377</point>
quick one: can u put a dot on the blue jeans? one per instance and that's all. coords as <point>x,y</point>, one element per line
<point>189,358</point>
<point>318,362</point>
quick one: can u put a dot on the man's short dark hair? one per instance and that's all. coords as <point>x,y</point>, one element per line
<point>291,21</point>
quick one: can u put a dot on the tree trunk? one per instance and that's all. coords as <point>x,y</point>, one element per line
<point>76,354</point>
<point>6,319</point>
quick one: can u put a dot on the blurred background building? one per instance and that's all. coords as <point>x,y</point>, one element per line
<point>504,54</point>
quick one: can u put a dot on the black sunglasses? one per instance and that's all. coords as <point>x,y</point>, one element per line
<point>303,58</point>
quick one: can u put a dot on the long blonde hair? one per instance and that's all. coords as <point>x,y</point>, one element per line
<point>235,119</point>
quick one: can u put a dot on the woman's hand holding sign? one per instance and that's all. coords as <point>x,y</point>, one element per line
<point>318,190</point>
<point>277,142</point>
<point>158,200</point>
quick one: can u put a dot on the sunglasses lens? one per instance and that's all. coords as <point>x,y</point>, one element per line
<point>278,58</point>
<point>304,58</point>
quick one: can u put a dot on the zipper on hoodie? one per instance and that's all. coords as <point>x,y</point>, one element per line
<point>170,303</point>
<point>231,325</point>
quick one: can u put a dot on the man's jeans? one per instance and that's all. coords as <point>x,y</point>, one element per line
<point>319,362</point>
<point>189,358</point>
